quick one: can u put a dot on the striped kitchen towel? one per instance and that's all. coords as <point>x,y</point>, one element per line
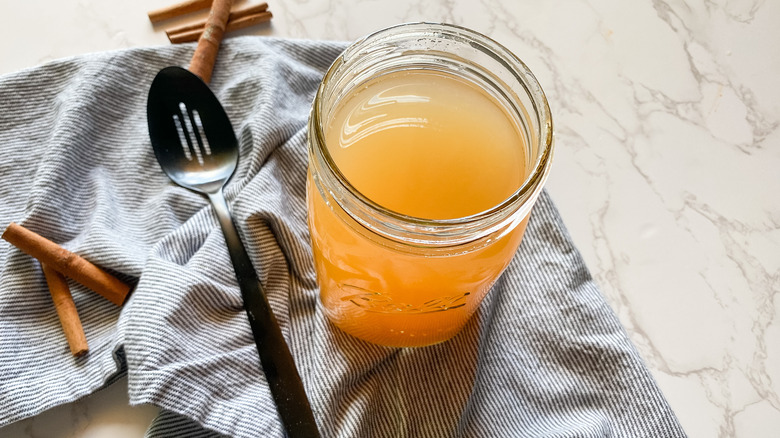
<point>544,357</point>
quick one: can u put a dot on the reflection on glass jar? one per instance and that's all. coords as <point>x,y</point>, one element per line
<point>428,145</point>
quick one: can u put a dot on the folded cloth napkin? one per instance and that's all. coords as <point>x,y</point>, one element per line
<point>544,356</point>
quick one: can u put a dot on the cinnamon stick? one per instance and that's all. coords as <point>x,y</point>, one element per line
<point>234,15</point>
<point>66,310</point>
<point>172,11</point>
<point>189,36</point>
<point>205,54</point>
<point>67,263</point>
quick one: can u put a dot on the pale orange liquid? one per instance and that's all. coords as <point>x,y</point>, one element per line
<point>424,144</point>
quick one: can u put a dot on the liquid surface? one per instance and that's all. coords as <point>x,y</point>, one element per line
<point>427,144</point>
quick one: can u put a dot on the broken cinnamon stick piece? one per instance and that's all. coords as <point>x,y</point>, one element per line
<point>202,63</point>
<point>67,263</point>
<point>66,310</point>
<point>189,36</point>
<point>234,15</point>
<point>176,10</point>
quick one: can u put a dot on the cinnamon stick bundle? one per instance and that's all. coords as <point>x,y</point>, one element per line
<point>67,263</point>
<point>238,19</point>
<point>234,15</point>
<point>66,311</point>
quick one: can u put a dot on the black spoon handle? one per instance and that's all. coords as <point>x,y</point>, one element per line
<point>275,357</point>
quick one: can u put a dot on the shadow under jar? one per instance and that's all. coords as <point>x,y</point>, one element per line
<point>428,146</point>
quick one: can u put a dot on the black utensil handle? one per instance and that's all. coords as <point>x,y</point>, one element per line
<point>275,357</point>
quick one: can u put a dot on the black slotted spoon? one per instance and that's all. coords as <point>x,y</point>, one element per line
<point>196,147</point>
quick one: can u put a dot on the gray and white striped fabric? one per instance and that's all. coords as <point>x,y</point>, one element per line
<point>545,355</point>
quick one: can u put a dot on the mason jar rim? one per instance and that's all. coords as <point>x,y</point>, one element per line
<point>524,76</point>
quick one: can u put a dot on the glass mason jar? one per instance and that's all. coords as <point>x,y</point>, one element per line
<point>399,280</point>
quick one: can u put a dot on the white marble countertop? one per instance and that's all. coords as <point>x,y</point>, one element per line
<point>667,171</point>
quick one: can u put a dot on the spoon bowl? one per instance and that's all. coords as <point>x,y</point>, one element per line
<point>191,134</point>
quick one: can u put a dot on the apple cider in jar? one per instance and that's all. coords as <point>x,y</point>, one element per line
<point>423,170</point>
